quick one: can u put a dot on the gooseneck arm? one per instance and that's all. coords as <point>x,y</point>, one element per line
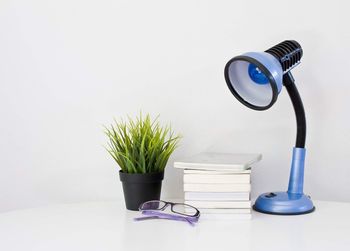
<point>296,177</point>
<point>292,90</point>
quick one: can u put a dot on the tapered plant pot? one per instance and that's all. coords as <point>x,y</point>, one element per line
<point>139,188</point>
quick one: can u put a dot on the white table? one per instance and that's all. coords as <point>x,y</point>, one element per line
<point>107,226</point>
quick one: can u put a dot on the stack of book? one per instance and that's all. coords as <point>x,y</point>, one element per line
<point>219,184</point>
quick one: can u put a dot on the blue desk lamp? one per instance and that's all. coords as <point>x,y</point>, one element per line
<point>256,79</point>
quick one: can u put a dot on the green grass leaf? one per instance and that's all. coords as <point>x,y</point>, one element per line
<point>141,145</point>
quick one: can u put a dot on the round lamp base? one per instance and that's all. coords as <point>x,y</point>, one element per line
<point>283,203</point>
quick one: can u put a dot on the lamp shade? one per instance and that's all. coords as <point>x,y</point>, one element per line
<point>255,79</point>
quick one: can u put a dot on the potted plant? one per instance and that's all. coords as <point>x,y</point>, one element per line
<point>141,148</point>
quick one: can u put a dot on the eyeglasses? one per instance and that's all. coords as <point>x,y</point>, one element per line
<point>154,209</point>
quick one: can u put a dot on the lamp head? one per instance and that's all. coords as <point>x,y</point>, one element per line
<point>255,78</point>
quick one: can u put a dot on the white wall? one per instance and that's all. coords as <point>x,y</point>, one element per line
<point>67,67</point>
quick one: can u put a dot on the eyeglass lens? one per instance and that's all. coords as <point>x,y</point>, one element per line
<point>184,209</point>
<point>153,205</point>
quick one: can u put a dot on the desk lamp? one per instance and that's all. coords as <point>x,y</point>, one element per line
<point>256,79</point>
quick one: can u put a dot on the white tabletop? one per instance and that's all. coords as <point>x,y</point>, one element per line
<point>107,226</point>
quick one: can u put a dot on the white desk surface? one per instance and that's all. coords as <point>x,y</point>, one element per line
<point>104,226</point>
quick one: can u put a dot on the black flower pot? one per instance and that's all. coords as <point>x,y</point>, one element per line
<point>139,187</point>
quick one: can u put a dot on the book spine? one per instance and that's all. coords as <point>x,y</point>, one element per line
<point>215,172</point>
<point>225,211</point>
<point>217,179</point>
<point>217,196</point>
<point>217,187</point>
<point>219,204</point>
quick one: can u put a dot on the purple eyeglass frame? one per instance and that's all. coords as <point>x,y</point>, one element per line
<point>158,214</point>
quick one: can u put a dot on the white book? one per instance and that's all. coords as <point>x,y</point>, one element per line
<point>217,179</point>
<point>218,204</point>
<point>219,161</point>
<point>215,196</point>
<point>217,187</point>
<point>225,217</point>
<point>225,211</point>
<point>212,172</point>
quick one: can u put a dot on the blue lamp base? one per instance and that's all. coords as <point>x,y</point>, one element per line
<point>284,203</point>
<point>292,202</point>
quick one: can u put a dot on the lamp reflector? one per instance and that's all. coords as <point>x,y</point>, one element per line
<point>251,87</point>
<point>255,79</point>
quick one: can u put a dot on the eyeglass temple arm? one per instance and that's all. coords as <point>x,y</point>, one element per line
<point>159,215</point>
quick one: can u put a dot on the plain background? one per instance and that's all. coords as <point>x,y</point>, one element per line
<point>68,67</point>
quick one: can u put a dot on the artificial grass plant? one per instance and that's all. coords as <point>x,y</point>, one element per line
<point>141,145</point>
